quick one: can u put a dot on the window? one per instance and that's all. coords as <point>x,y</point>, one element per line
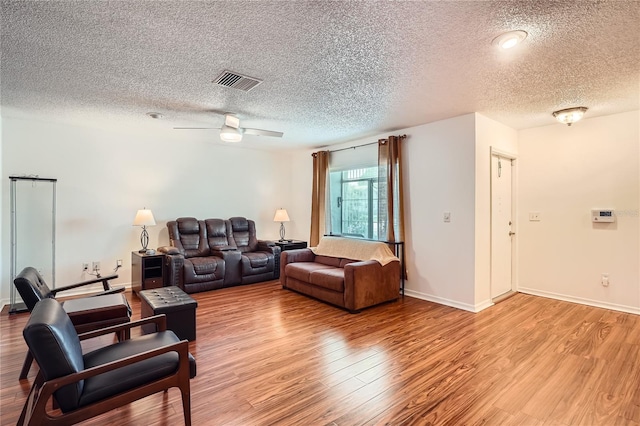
<point>354,202</point>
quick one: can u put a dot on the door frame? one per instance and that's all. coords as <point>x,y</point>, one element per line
<point>514,214</point>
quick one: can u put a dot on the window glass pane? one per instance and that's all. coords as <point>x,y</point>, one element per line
<point>354,202</point>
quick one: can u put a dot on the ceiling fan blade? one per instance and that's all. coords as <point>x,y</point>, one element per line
<point>197,128</point>
<point>231,121</point>
<point>260,132</point>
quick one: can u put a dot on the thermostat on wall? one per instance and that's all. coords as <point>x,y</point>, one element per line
<point>602,216</point>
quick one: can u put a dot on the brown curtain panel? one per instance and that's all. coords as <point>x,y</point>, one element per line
<point>319,196</point>
<point>390,189</point>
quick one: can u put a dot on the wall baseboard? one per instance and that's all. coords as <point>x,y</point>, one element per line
<point>580,300</point>
<point>447,302</point>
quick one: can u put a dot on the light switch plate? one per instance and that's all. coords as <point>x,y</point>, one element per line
<point>534,216</point>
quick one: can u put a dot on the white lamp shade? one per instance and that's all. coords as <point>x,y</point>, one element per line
<point>144,217</point>
<point>281,216</point>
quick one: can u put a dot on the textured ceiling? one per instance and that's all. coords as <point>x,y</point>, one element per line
<point>333,71</point>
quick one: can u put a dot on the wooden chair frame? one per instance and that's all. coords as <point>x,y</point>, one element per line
<point>35,411</point>
<point>28,360</point>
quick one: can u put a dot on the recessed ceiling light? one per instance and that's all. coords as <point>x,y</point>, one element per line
<point>570,115</point>
<point>509,39</point>
<point>154,115</point>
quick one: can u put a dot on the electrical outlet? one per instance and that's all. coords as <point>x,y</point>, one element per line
<point>85,267</point>
<point>95,266</point>
<point>447,216</point>
<point>119,263</point>
<point>534,216</point>
<point>605,280</point>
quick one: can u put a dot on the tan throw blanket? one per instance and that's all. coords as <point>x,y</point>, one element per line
<point>350,248</point>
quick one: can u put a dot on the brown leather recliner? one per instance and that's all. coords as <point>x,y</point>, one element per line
<point>208,254</point>
<point>190,264</point>
<point>258,257</point>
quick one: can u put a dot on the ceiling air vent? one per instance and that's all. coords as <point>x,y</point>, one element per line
<point>236,81</point>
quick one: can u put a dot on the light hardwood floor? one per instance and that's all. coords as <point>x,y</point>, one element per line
<point>267,356</point>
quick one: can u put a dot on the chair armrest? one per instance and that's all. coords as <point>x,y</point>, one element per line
<point>114,290</point>
<point>159,320</point>
<point>169,250</point>
<point>103,280</point>
<point>298,255</point>
<point>268,246</point>
<point>368,283</point>
<point>173,266</point>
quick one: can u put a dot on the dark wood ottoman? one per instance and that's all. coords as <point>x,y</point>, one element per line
<point>178,306</point>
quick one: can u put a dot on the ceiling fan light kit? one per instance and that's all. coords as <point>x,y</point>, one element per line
<point>230,134</point>
<point>569,116</point>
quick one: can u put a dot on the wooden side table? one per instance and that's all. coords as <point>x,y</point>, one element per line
<point>284,246</point>
<point>147,271</point>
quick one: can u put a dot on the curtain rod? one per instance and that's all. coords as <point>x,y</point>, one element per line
<point>354,147</point>
<point>365,144</point>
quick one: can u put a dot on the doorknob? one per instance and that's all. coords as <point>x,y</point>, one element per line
<point>511,233</point>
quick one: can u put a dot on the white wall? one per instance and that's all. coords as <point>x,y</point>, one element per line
<point>104,177</point>
<point>564,172</point>
<point>489,134</point>
<point>439,176</point>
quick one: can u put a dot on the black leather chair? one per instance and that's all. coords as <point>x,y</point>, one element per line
<point>86,313</point>
<point>86,385</point>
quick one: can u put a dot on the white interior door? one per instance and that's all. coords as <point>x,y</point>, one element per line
<point>501,226</point>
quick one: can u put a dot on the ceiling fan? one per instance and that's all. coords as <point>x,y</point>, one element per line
<point>232,132</point>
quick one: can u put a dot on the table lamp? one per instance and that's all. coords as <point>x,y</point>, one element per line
<point>281,216</point>
<point>144,218</point>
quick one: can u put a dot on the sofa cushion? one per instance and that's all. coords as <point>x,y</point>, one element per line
<point>328,260</point>
<point>201,269</point>
<point>330,278</point>
<point>258,262</point>
<point>302,270</point>
<point>115,381</point>
<point>258,259</point>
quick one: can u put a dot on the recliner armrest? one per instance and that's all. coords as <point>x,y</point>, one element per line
<point>168,250</point>
<point>264,245</point>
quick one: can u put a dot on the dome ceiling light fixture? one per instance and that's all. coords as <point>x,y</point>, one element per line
<point>570,115</point>
<point>509,39</point>
<point>155,115</point>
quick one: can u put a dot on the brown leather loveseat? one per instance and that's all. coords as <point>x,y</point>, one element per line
<point>215,253</point>
<point>349,273</point>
